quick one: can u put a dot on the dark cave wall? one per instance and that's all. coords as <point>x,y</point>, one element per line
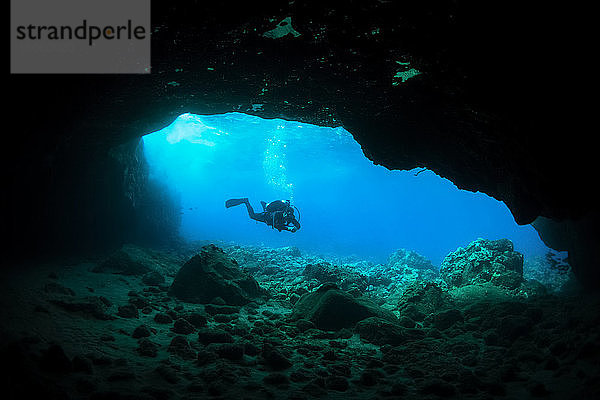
<point>66,202</point>
<point>76,203</point>
<point>496,88</point>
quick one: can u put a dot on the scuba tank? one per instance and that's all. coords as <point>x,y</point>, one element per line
<point>280,207</point>
<point>277,205</point>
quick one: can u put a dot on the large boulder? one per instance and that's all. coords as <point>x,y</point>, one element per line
<point>493,261</point>
<point>210,274</point>
<point>330,308</point>
<point>381,332</point>
<point>128,260</point>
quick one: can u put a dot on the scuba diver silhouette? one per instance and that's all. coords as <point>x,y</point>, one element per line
<point>278,214</point>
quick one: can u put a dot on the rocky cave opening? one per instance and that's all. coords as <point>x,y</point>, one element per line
<point>202,160</point>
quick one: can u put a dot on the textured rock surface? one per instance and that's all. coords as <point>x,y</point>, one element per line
<point>126,261</point>
<point>211,274</point>
<point>421,299</point>
<point>380,332</point>
<point>345,278</point>
<point>484,260</point>
<point>403,258</point>
<point>332,309</point>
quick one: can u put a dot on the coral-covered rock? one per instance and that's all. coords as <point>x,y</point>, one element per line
<point>484,260</point>
<point>210,274</point>
<point>403,258</point>
<point>344,277</point>
<point>422,299</point>
<point>321,272</point>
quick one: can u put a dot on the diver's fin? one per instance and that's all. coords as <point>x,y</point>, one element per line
<point>235,202</point>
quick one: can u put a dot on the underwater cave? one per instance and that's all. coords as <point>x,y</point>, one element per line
<point>440,239</point>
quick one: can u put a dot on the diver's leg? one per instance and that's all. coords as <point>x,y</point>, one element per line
<point>235,202</point>
<point>255,216</point>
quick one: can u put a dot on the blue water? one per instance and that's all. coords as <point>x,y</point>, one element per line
<point>348,205</point>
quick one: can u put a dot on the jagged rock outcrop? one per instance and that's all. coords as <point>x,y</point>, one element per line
<point>210,274</point>
<point>493,261</point>
<point>410,265</point>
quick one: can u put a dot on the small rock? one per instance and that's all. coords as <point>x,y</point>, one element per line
<point>380,332</point>
<point>153,278</point>
<point>196,319</point>
<point>141,332</point>
<point>274,359</point>
<point>230,351</point>
<point>337,383</point>
<point>107,338</point>
<point>167,373</point>
<point>57,288</point>
<point>218,301</point>
<point>54,359</point>
<point>81,364</point>
<point>251,349</point>
<point>370,377</point>
<point>220,309</point>
<point>162,318</point>
<point>124,375</point>
<point>438,387</point>
<point>181,347</point>
<point>182,326</point>
<point>538,389</point>
<point>214,335</point>
<point>224,318</point>
<point>128,311</point>
<point>276,378</point>
<point>304,325</point>
<point>205,357</point>
<point>147,348</point>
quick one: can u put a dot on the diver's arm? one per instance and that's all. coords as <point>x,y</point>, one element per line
<point>295,227</point>
<point>296,223</point>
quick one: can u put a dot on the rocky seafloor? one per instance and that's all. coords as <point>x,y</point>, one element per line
<point>226,321</point>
